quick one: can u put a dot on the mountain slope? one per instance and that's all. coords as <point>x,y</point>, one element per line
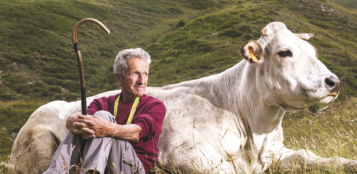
<point>210,44</point>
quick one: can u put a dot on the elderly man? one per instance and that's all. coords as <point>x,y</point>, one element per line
<point>123,132</point>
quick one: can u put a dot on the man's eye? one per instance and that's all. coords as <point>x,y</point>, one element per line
<point>285,53</point>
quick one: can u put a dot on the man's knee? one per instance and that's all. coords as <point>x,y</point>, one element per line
<point>106,115</point>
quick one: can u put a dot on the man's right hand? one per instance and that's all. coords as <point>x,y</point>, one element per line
<point>78,125</point>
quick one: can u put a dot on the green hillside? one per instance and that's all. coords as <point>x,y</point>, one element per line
<point>350,4</point>
<point>193,51</point>
<point>186,39</point>
<point>36,42</point>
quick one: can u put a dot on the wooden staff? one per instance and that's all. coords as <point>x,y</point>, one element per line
<point>79,58</point>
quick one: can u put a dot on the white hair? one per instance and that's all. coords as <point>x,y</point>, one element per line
<point>120,64</point>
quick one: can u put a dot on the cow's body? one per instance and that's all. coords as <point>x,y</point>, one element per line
<point>221,123</point>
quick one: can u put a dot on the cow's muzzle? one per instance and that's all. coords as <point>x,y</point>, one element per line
<point>333,85</point>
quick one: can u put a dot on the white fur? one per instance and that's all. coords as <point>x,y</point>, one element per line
<point>235,115</point>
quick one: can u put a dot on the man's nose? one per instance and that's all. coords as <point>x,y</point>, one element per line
<point>332,83</point>
<point>140,79</point>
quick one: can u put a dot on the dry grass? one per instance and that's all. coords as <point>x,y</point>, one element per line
<point>328,133</point>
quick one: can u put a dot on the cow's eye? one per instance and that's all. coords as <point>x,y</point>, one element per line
<point>285,53</point>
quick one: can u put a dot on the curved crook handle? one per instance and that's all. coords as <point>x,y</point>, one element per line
<point>79,58</point>
<point>74,31</point>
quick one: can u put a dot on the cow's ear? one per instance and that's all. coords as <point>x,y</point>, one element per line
<point>252,51</point>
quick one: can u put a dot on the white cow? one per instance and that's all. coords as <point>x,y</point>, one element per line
<point>222,123</point>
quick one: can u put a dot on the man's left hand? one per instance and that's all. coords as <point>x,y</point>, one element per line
<point>100,126</point>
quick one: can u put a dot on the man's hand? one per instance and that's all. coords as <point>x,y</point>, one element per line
<point>89,127</point>
<point>100,126</point>
<point>78,125</point>
<point>103,128</point>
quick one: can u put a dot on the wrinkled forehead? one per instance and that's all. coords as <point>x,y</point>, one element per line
<point>284,41</point>
<point>274,28</point>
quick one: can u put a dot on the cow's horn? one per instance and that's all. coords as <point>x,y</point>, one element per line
<point>263,32</point>
<point>305,36</point>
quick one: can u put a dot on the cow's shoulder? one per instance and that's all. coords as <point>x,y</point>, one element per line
<point>54,109</point>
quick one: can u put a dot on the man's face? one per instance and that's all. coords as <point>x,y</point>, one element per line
<point>135,79</point>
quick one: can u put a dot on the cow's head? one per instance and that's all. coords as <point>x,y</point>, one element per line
<point>287,66</point>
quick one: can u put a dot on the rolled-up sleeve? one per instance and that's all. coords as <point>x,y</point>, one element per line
<point>151,121</point>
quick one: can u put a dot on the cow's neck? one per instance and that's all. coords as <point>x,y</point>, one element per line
<point>243,94</point>
<point>253,104</point>
<point>236,90</point>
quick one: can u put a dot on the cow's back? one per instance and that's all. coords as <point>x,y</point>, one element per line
<point>193,125</point>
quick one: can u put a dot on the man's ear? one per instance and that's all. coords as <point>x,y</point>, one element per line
<point>119,79</point>
<point>252,51</point>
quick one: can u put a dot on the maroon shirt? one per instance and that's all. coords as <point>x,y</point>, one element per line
<point>150,114</point>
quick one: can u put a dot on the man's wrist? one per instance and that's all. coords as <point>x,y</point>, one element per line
<point>111,129</point>
<point>69,123</point>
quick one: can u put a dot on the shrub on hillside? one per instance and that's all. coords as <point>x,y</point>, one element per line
<point>229,24</point>
<point>322,24</point>
<point>248,36</point>
<point>175,10</point>
<point>202,4</point>
<point>7,95</point>
<point>181,23</point>
<point>149,8</point>
<point>230,33</point>
<point>55,89</point>
<point>245,29</point>
<point>45,92</point>
<point>51,80</point>
<point>22,88</point>
<point>323,43</point>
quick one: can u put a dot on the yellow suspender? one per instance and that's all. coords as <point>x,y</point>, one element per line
<point>132,111</point>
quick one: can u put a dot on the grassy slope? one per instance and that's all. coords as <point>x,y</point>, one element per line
<point>36,45</point>
<point>331,133</point>
<point>349,4</point>
<point>208,53</point>
<point>37,42</point>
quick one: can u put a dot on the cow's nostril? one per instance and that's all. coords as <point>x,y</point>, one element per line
<point>332,83</point>
<point>329,82</point>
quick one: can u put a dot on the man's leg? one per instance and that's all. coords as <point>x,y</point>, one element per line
<point>122,158</point>
<point>95,153</point>
<point>67,155</point>
<point>113,156</point>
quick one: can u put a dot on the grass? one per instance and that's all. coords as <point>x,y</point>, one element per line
<point>346,4</point>
<point>327,133</point>
<point>330,133</point>
<point>37,43</point>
